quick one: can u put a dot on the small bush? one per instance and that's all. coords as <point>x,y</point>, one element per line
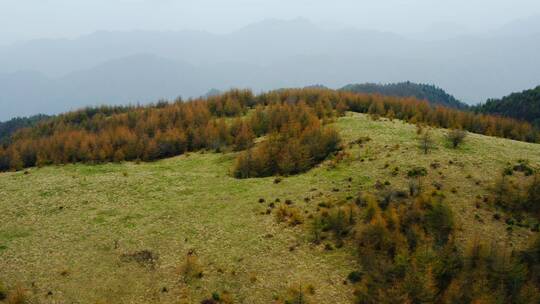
<point>298,294</point>
<point>439,220</point>
<point>417,171</point>
<point>3,292</point>
<point>316,229</point>
<point>286,213</point>
<point>145,258</point>
<point>456,137</point>
<point>17,296</point>
<point>340,221</point>
<point>523,166</point>
<point>191,268</point>
<point>355,276</point>
<point>415,187</point>
<point>426,142</point>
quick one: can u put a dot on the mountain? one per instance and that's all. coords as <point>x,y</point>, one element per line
<point>520,27</point>
<point>431,93</point>
<point>138,78</point>
<point>55,75</point>
<point>524,105</point>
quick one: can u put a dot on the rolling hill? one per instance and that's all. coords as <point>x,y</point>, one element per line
<point>397,213</point>
<point>86,217</point>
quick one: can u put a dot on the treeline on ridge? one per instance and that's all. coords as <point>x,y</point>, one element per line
<point>523,105</point>
<point>7,128</point>
<point>431,93</point>
<point>293,119</point>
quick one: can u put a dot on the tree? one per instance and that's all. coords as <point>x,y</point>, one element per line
<point>16,162</point>
<point>244,138</point>
<point>426,141</point>
<point>456,137</point>
<point>341,108</point>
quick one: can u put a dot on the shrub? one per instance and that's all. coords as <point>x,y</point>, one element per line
<point>533,195</point>
<point>17,296</point>
<point>191,268</point>
<point>456,137</point>
<point>355,276</point>
<point>339,221</point>
<point>417,171</point>
<point>426,141</point>
<point>523,166</point>
<point>298,294</point>
<point>439,220</point>
<point>316,229</point>
<point>3,292</point>
<point>286,213</point>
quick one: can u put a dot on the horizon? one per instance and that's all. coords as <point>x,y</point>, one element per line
<point>448,29</point>
<point>30,20</point>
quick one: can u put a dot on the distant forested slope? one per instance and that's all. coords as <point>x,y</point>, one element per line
<point>524,105</point>
<point>11,126</point>
<point>431,93</point>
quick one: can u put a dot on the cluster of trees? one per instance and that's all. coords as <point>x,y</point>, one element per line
<point>293,120</point>
<point>407,254</point>
<point>129,133</point>
<point>524,105</point>
<point>296,142</point>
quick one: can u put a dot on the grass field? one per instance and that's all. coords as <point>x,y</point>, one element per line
<point>65,231</point>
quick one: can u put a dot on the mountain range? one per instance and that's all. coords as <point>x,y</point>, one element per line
<point>56,75</point>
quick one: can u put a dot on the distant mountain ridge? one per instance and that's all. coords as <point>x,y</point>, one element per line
<point>431,93</point>
<point>524,105</point>
<point>57,75</point>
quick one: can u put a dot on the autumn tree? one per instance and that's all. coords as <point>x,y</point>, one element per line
<point>243,138</point>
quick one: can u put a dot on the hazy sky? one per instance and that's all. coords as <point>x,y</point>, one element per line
<point>30,19</point>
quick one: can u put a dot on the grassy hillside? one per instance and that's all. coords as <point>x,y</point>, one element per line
<point>78,232</point>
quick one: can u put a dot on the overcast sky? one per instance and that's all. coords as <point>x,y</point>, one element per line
<point>30,19</point>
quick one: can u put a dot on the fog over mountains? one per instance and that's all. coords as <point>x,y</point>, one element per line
<point>53,75</point>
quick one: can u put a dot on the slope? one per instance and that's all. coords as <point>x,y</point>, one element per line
<point>67,230</point>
